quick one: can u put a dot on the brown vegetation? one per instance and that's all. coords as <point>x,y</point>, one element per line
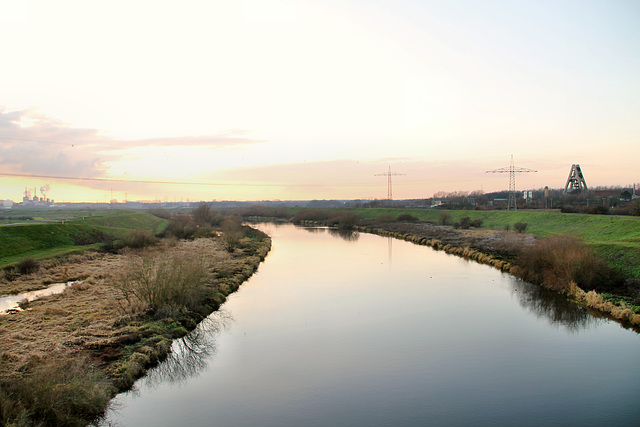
<point>49,352</point>
<point>559,261</point>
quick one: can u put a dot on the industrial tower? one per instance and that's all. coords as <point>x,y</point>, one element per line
<point>576,181</point>
<point>388,174</point>
<point>512,182</point>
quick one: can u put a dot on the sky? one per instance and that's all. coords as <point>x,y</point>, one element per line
<point>314,99</point>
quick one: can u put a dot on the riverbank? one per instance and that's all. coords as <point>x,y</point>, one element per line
<point>65,356</point>
<point>500,250</point>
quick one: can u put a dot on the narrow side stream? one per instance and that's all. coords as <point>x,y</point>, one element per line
<point>11,303</point>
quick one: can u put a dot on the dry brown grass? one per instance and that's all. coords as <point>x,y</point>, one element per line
<point>594,300</point>
<point>87,319</point>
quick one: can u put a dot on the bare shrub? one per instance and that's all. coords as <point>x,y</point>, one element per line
<point>444,218</point>
<point>231,233</point>
<point>138,239</point>
<point>28,266</point>
<point>477,223</point>
<point>407,218</point>
<point>67,392</point>
<point>204,215</point>
<point>557,261</point>
<point>310,215</point>
<point>182,227</point>
<point>465,222</point>
<point>166,285</point>
<point>520,227</point>
<point>344,220</point>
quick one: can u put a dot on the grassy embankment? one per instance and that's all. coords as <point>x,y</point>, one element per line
<point>76,234</point>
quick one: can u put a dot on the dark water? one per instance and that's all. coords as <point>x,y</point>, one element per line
<point>361,330</point>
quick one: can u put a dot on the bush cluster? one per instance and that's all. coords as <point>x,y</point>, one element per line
<point>310,215</point>
<point>182,227</point>
<point>444,218</point>
<point>520,227</point>
<point>138,239</point>
<point>204,215</point>
<point>344,220</point>
<point>165,285</point>
<point>557,261</point>
<point>67,392</point>
<point>232,232</point>
<point>466,223</point>
<point>28,266</point>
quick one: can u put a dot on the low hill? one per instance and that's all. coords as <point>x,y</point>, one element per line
<point>41,240</point>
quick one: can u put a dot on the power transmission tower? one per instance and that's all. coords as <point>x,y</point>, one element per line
<point>389,174</point>
<point>512,170</point>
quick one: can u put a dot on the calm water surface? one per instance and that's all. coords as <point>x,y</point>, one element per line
<point>361,330</point>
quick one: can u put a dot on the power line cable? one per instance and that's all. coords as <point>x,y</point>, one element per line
<point>6,138</point>
<point>220,184</point>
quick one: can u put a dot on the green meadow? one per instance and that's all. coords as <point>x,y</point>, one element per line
<point>68,231</point>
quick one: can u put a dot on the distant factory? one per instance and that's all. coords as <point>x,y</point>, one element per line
<point>33,200</point>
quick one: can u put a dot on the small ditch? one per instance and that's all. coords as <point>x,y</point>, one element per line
<point>11,303</point>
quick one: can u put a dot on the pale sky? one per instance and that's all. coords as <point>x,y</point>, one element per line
<point>306,99</point>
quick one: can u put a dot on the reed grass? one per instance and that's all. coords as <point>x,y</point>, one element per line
<point>163,284</point>
<point>55,392</point>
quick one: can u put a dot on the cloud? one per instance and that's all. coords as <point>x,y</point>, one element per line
<point>31,143</point>
<point>223,140</point>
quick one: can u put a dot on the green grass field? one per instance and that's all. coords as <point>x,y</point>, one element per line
<point>78,232</point>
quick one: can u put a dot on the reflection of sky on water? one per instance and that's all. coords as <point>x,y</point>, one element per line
<point>12,302</point>
<point>335,332</point>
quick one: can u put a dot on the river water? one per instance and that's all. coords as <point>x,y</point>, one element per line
<point>362,330</point>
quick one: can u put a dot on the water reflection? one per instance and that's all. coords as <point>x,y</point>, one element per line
<point>553,306</point>
<point>450,343</point>
<point>189,355</point>
<point>11,303</point>
<point>347,235</point>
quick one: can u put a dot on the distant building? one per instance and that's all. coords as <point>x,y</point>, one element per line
<point>6,204</point>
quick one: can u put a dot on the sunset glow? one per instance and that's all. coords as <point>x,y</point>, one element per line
<point>306,99</point>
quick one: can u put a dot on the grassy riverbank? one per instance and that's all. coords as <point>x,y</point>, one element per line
<point>616,239</point>
<point>591,259</point>
<point>65,356</point>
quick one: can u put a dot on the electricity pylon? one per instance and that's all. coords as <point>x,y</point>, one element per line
<point>389,174</point>
<point>512,170</point>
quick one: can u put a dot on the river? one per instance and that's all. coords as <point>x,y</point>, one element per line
<point>361,330</point>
